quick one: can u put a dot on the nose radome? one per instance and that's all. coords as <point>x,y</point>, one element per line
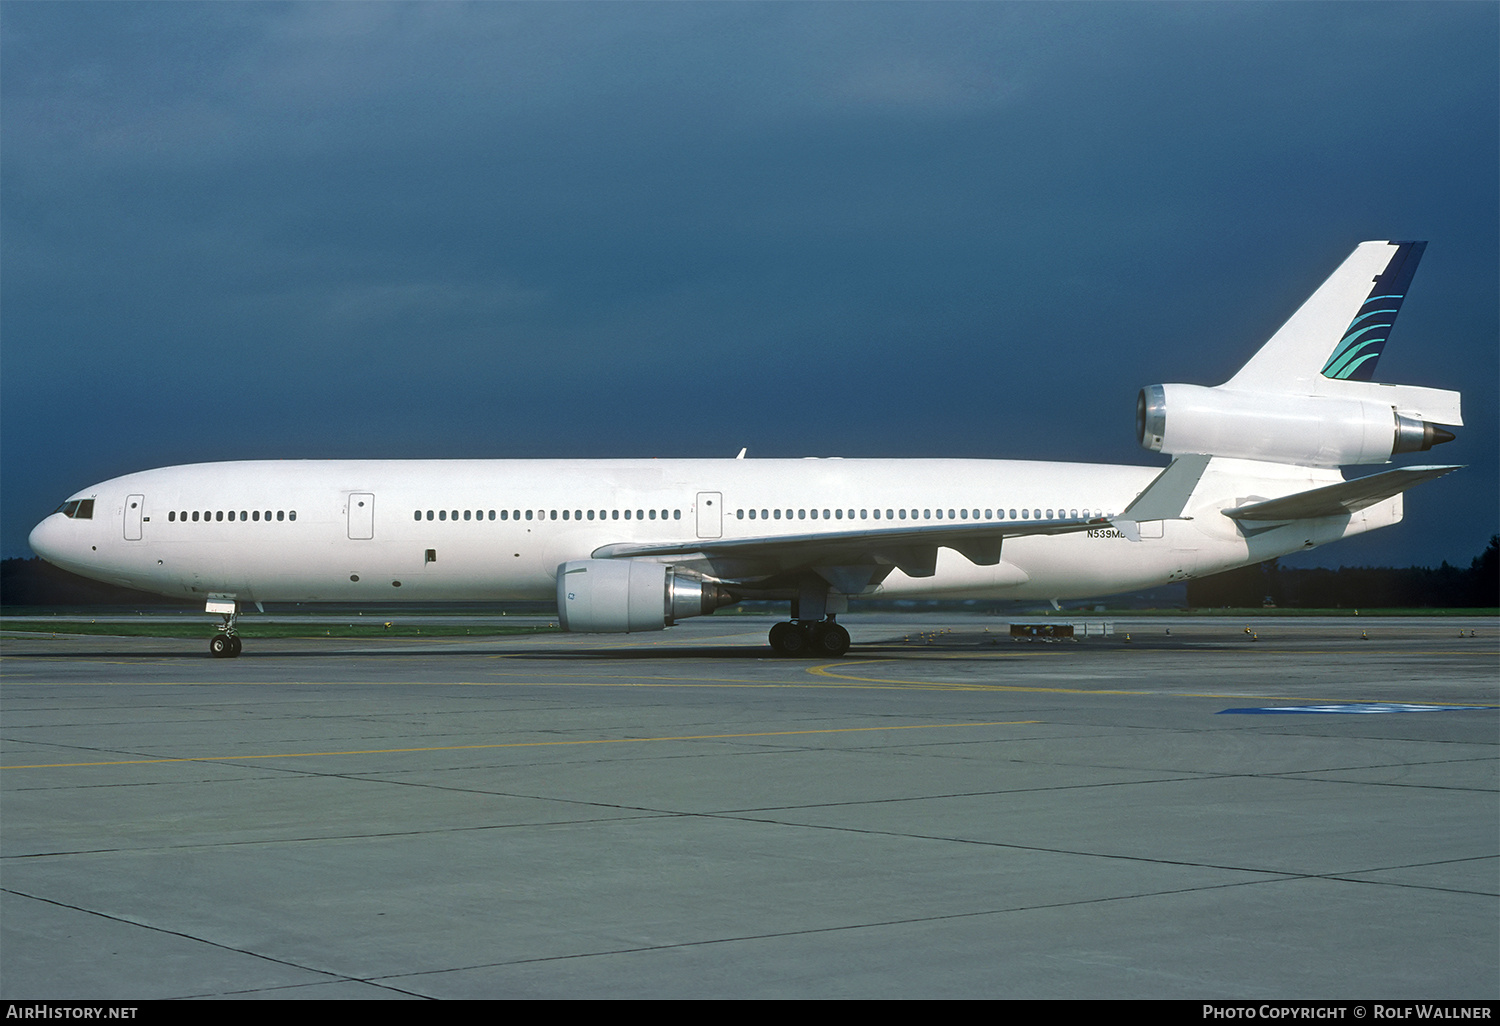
<point>46,538</point>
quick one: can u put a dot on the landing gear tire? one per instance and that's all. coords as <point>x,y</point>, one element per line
<point>830,639</point>
<point>224,646</point>
<point>788,639</point>
<point>824,638</point>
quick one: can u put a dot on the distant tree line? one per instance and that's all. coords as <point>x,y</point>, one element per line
<point>35,582</point>
<point>32,582</point>
<point>1412,587</point>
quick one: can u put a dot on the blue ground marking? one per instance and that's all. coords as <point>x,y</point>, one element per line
<point>1358,707</point>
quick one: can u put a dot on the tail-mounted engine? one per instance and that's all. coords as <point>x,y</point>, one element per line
<point>1311,430</point>
<point>610,596</point>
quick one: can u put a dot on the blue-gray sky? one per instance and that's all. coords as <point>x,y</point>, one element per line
<point>263,230</point>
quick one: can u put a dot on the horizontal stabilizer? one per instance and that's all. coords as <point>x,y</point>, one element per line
<point>1338,499</point>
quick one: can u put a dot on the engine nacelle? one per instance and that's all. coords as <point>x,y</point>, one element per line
<point>1311,430</point>
<point>618,596</point>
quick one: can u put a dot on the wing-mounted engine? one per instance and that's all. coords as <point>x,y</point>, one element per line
<point>618,596</point>
<point>1311,430</point>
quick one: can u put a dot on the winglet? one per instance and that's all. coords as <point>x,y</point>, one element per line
<point>1164,498</point>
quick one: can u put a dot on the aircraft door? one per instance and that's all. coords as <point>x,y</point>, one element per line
<point>134,506</point>
<point>361,516</point>
<point>710,514</point>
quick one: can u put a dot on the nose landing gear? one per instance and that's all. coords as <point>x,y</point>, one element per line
<point>226,643</point>
<point>224,646</point>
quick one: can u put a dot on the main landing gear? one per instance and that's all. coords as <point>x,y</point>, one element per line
<point>812,632</point>
<point>226,643</point>
<point>810,638</point>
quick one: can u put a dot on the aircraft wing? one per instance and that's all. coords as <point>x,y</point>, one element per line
<point>854,559</point>
<point>912,549</point>
<point>1338,499</point>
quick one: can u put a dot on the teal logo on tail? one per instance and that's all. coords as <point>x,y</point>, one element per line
<point>1364,340</point>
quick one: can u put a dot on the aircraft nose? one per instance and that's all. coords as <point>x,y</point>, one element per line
<point>45,539</point>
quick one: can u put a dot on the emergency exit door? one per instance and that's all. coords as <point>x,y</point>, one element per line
<point>361,516</point>
<point>710,515</point>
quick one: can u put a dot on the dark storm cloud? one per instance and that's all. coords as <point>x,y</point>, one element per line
<point>249,230</point>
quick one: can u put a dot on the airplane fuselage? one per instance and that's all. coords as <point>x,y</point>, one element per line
<point>492,530</point>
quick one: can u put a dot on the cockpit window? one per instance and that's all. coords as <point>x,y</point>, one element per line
<point>77,509</point>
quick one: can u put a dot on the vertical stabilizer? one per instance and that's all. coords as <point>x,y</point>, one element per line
<point>1308,396</point>
<point>1340,332</point>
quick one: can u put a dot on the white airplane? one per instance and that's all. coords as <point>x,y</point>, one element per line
<point>636,545</point>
